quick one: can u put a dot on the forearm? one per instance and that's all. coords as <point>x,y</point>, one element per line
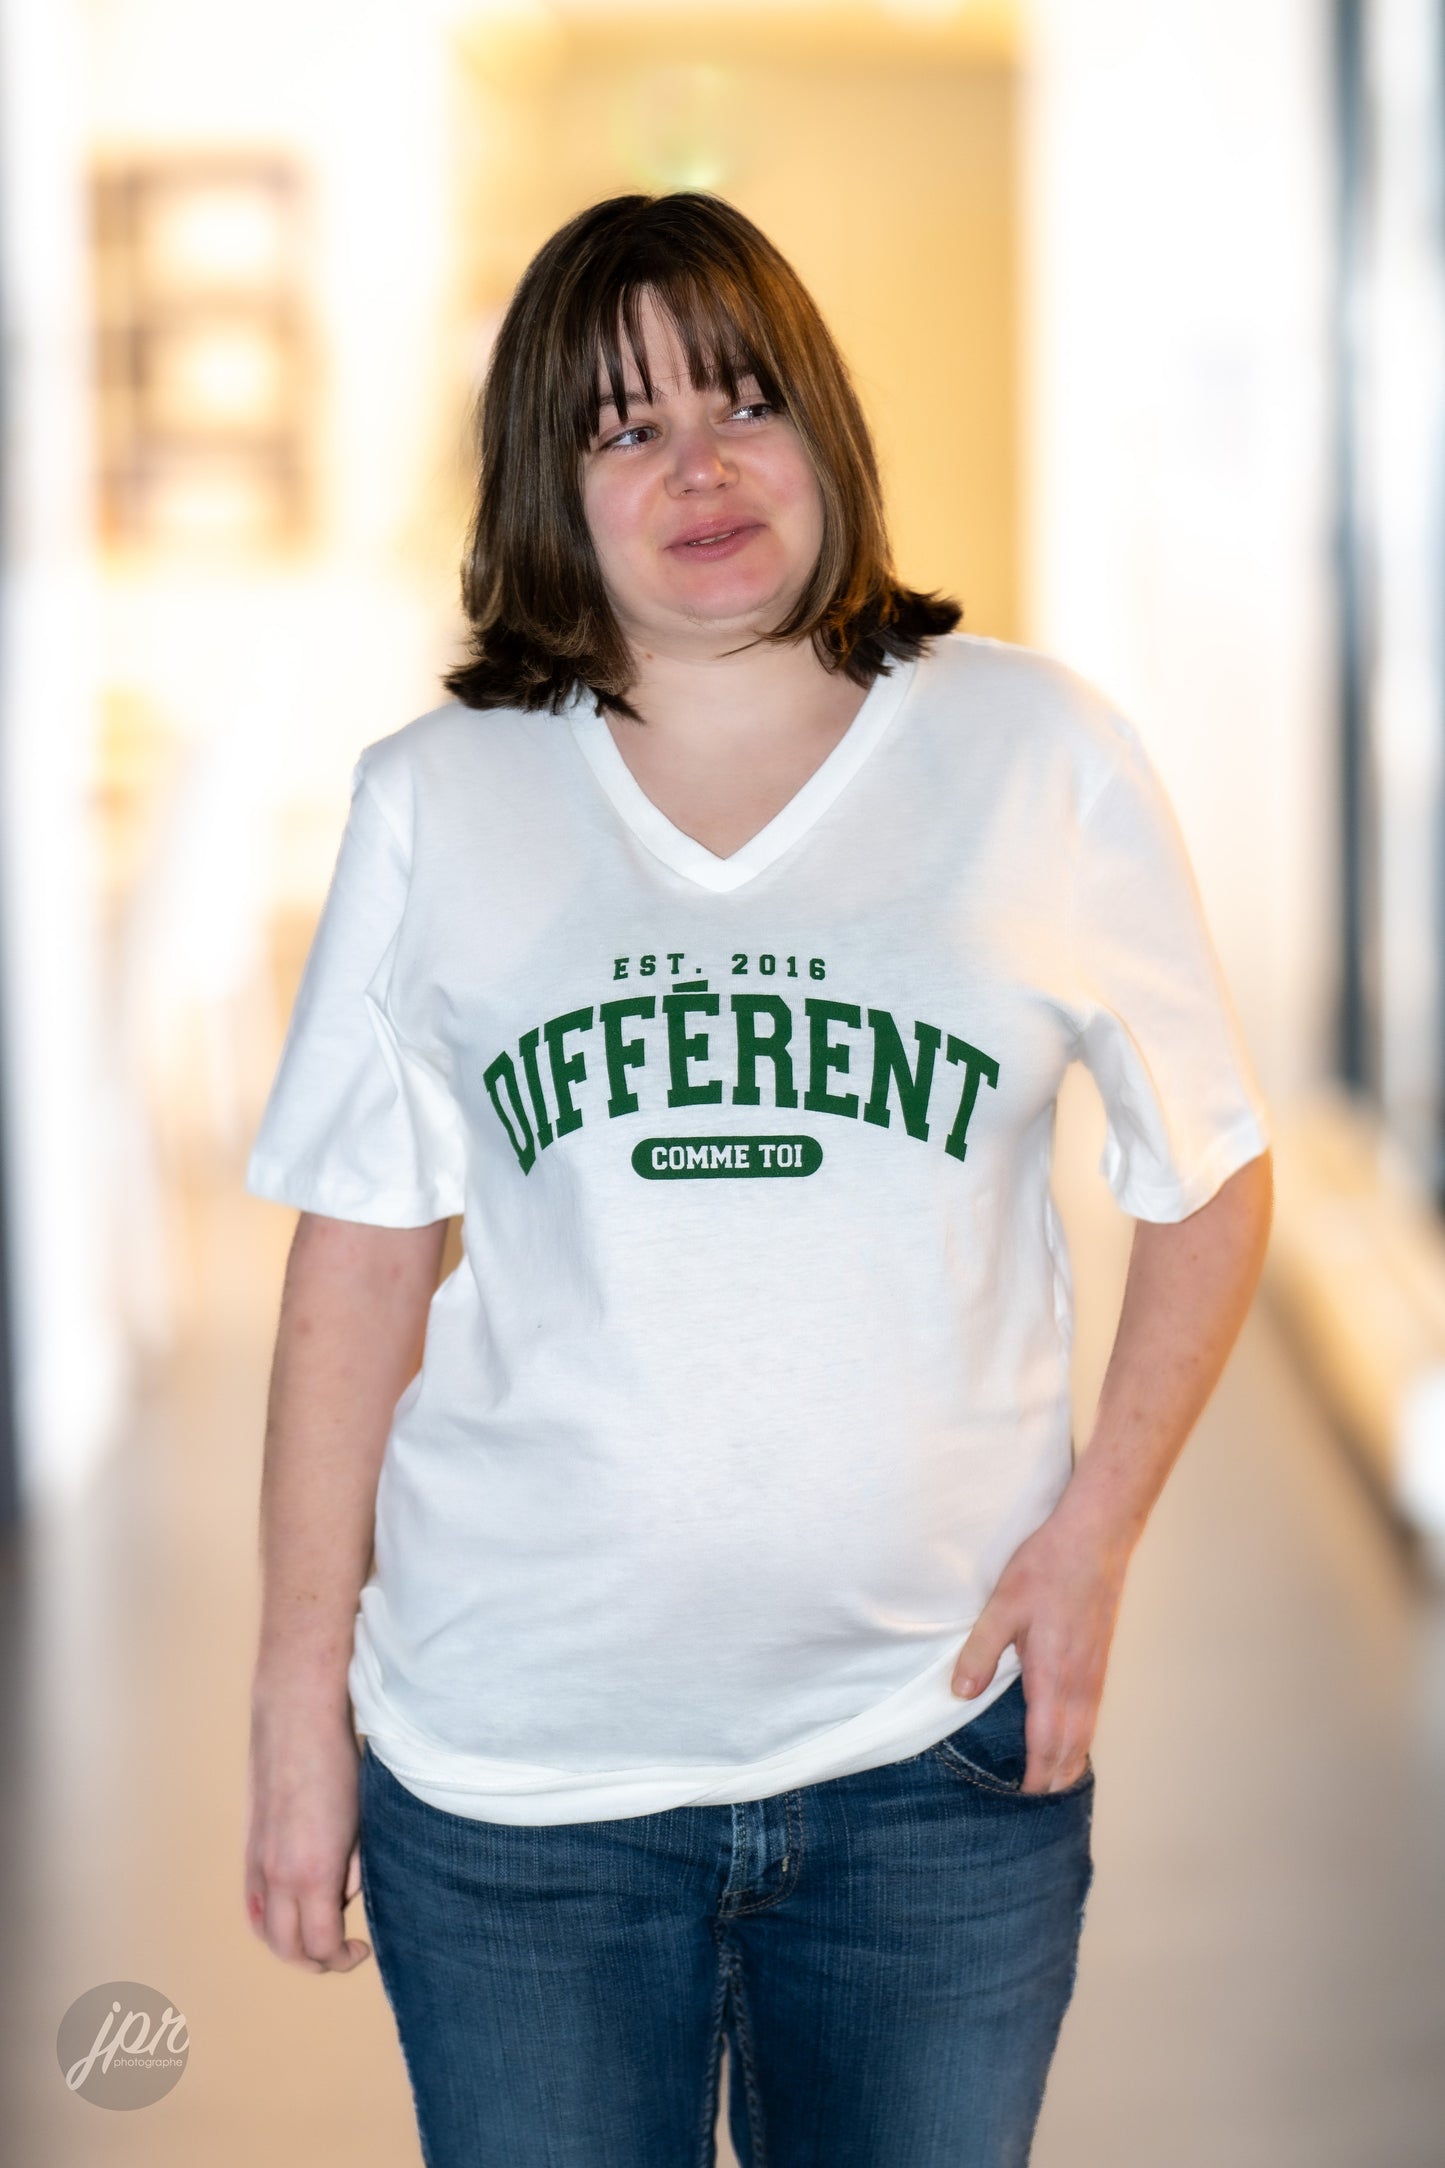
<point>1189,1288</point>
<point>353,1314</point>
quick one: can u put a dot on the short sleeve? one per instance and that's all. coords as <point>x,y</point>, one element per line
<point>1157,1027</point>
<point>357,1125</point>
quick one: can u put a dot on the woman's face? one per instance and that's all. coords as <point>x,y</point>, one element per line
<point>705,513</point>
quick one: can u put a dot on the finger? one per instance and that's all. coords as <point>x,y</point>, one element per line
<point>1067,1773</point>
<point>346,1954</point>
<point>1036,1773</point>
<point>1080,1717</point>
<point>978,1659</point>
<point>1042,1776</point>
<point>353,1875</point>
<point>1043,1733</point>
<point>1075,1761</point>
<point>1059,1758</point>
<point>321,1933</point>
<point>283,1930</point>
<point>256,1909</point>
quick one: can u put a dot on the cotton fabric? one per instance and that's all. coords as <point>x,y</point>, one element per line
<point>755,1369</point>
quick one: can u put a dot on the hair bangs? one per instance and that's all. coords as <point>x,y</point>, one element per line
<point>721,340</point>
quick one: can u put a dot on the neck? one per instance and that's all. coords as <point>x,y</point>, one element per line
<point>766,688</point>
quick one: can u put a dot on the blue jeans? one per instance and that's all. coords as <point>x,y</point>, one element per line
<point>889,1954</point>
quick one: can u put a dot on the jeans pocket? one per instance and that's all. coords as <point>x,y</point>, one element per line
<point>990,1751</point>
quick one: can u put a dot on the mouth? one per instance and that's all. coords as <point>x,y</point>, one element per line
<point>713,541</point>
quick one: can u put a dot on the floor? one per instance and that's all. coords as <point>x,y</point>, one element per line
<point>1262,1978</point>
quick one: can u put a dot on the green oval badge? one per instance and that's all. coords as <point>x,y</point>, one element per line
<point>714,1159</point>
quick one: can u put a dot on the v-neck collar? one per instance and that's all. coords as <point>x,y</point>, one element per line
<point>685,855</point>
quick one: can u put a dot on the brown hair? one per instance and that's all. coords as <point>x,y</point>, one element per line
<point>541,623</point>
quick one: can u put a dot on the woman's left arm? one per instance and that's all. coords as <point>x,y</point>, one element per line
<point>1188,1291</point>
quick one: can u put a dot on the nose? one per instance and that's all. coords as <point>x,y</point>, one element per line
<point>699,461</point>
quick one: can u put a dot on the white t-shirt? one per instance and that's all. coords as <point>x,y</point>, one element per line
<point>755,1370</point>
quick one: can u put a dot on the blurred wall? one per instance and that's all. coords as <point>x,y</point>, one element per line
<point>239,681</point>
<point>68,1351</point>
<point>1179,207</point>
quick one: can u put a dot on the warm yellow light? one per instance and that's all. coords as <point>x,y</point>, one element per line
<point>199,507</point>
<point>223,235</point>
<point>221,376</point>
<point>678,126</point>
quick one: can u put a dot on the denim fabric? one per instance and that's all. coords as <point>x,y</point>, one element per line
<point>890,1955</point>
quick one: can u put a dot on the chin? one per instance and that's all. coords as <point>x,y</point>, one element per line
<point>729,600</point>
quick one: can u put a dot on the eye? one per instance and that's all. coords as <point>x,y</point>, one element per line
<point>631,433</point>
<point>750,410</point>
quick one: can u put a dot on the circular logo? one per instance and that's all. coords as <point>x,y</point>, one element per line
<point>122,2045</point>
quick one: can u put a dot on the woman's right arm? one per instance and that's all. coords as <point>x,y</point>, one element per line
<point>353,1319</point>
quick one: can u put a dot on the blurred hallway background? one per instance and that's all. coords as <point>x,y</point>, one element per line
<point>1145,304</point>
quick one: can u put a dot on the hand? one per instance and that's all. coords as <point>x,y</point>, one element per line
<point>1057,1601</point>
<point>303,1862</point>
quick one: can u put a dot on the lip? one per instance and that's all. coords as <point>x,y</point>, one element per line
<point>711,529</point>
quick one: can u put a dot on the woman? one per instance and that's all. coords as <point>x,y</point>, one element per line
<point>737,1625</point>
